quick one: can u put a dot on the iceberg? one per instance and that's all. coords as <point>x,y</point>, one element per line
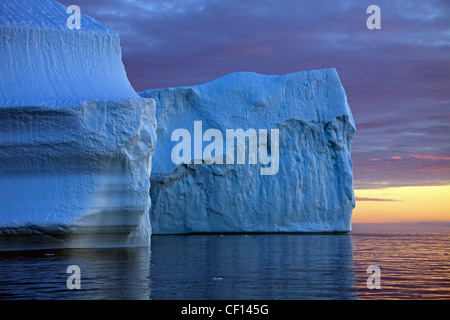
<point>76,140</point>
<point>288,170</point>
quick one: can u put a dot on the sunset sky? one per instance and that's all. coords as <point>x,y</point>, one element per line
<point>397,79</point>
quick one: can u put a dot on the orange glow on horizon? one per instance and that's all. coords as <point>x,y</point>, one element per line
<point>402,204</point>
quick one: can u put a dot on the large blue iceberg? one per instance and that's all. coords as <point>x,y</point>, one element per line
<point>302,183</point>
<point>78,152</point>
<point>76,140</point>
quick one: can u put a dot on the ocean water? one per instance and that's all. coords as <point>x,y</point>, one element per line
<point>413,263</point>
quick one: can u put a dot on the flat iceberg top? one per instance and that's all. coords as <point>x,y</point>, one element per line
<point>43,14</point>
<point>43,62</point>
<point>246,100</point>
<point>315,95</point>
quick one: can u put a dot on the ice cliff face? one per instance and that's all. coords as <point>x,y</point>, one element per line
<point>76,141</point>
<point>312,188</point>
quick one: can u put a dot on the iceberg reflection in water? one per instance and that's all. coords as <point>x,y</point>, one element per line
<point>121,273</point>
<point>230,266</point>
<point>259,266</point>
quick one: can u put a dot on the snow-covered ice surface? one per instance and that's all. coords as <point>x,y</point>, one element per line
<point>43,61</point>
<point>76,140</point>
<point>313,188</point>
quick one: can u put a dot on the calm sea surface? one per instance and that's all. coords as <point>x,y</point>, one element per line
<point>414,263</point>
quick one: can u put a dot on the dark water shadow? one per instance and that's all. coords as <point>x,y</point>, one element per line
<point>120,273</point>
<point>254,266</point>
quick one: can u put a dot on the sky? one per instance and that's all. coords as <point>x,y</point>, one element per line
<point>397,78</point>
